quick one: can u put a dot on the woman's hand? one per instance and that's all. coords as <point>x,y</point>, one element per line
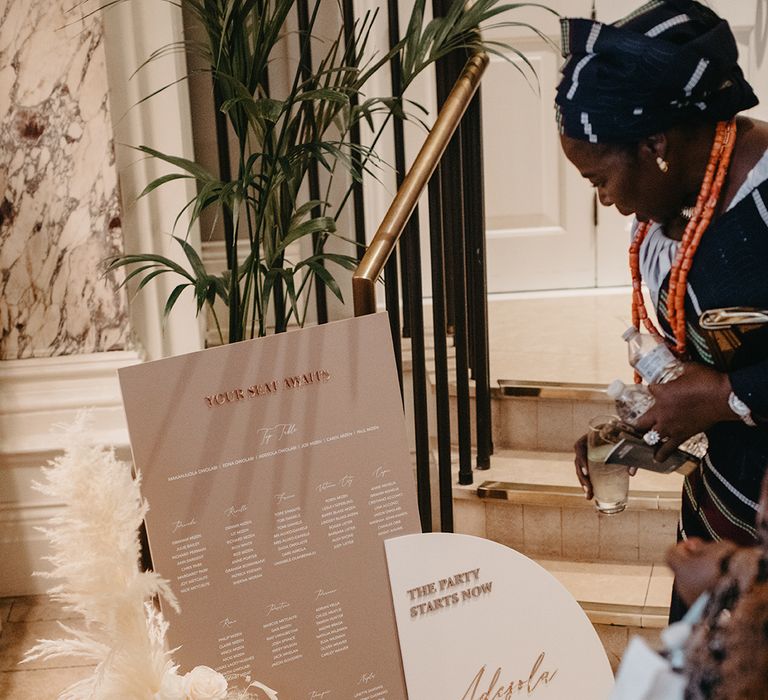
<point>690,404</point>
<point>697,565</point>
<point>582,466</point>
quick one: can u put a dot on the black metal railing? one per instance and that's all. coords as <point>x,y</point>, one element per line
<point>450,166</point>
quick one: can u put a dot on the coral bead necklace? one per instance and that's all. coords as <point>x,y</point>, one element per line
<point>706,204</point>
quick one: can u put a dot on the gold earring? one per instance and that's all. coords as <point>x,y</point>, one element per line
<point>663,165</point>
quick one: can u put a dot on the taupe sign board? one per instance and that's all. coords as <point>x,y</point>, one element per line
<point>274,470</point>
<point>480,621</point>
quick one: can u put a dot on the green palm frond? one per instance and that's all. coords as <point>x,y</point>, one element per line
<point>281,138</point>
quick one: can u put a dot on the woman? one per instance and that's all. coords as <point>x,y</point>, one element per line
<point>726,655</point>
<point>647,109</point>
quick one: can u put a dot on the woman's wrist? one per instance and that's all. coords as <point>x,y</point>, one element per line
<point>741,409</point>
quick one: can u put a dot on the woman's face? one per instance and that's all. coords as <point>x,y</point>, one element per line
<point>627,178</point>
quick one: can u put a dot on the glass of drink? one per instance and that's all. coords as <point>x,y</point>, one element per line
<point>610,482</point>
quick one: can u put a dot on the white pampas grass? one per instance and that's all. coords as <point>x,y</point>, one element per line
<point>96,557</point>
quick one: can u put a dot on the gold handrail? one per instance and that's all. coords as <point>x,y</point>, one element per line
<point>391,228</point>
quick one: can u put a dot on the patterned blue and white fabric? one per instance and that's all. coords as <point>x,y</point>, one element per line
<point>668,62</point>
<point>720,498</point>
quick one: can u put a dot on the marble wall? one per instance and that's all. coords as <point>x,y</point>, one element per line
<point>59,203</point>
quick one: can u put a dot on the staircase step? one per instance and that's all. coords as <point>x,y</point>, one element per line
<point>526,414</point>
<point>549,420</point>
<point>617,593</point>
<point>539,477</point>
<point>540,416</point>
<point>511,388</point>
<point>536,415</point>
<point>531,501</point>
<point>621,600</point>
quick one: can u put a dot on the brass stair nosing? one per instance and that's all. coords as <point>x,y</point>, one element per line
<point>522,492</point>
<point>513,388</point>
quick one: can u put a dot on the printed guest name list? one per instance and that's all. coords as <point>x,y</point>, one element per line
<point>275,469</point>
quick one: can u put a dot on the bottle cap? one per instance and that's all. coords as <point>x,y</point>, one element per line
<point>615,388</point>
<point>629,333</point>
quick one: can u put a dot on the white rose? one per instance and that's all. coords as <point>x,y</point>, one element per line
<point>171,687</point>
<point>203,683</point>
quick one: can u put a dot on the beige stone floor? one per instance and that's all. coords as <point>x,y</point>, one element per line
<point>24,621</point>
<point>560,336</point>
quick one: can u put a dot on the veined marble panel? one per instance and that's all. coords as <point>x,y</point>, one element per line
<point>59,204</point>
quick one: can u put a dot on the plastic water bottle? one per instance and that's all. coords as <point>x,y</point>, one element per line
<point>651,357</point>
<point>632,400</point>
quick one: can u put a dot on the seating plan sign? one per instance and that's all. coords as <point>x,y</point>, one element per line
<point>480,621</point>
<point>274,470</point>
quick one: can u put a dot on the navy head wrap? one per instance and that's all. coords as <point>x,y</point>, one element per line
<point>669,62</point>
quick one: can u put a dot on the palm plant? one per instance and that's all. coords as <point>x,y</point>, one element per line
<point>278,140</point>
